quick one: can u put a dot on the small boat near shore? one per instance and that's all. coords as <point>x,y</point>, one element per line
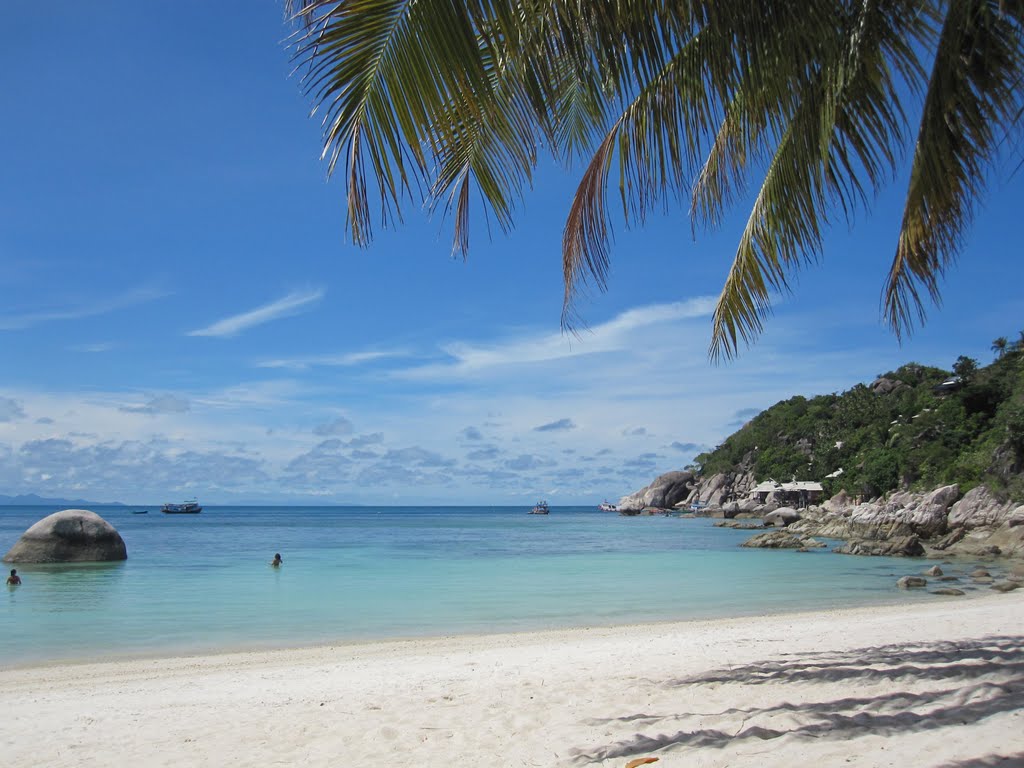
<point>607,506</point>
<point>540,508</point>
<point>189,507</point>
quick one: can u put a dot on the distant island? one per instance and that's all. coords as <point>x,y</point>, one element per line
<point>33,500</point>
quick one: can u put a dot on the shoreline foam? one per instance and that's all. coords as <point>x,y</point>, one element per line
<point>932,684</point>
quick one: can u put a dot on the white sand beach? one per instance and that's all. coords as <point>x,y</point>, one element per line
<point>937,683</point>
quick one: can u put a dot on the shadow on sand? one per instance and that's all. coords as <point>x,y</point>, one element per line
<point>963,684</point>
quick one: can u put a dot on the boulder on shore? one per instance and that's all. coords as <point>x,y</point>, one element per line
<point>782,540</point>
<point>782,517</point>
<point>69,536</point>
<point>902,546</point>
<point>912,582</point>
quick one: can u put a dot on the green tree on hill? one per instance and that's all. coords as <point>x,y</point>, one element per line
<point>904,431</point>
<point>803,104</point>
<point>999,346</point>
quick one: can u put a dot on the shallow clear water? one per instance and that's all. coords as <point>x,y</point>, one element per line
<point>203,582</point>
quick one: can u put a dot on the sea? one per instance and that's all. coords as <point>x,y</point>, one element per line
<point>204,584</point>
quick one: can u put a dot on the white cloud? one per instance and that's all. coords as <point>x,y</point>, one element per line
<point>158,405</point>
<point>103,346</point>
<point>611,336</point>
<point>130,298</point>
<point>283,307</point>
<point>344,360</point>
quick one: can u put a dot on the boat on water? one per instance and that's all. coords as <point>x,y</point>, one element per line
<point>140,511</point>
<point>607,506</point>
<point>540,508</point>
<point>189,507</point>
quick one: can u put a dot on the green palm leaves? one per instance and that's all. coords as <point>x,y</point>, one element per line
<point>801,108</point>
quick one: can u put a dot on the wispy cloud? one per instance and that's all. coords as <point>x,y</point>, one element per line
<point>610,336</point>
<point>338,426</point>
<point>331,361</point>
<point>283,307</point>
<point>162,404</point>
<point>103,346</point>
<point>17,322</point>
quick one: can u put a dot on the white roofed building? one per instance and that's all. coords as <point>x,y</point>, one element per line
<point>797,493</point>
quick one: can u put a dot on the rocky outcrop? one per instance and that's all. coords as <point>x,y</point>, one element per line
<point>978,524</point>
<point>979,509</point>
<point>902,523</point>
<point>69,536</point>
<point>884,386</point>
<point>665,492</point>
<point>902,546</point>
<point>782,540</point>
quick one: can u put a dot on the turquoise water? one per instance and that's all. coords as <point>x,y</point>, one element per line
<point>199,583</point>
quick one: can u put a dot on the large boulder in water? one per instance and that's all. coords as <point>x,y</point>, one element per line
<point>782,517</point>
<point>665,492</point>
<point>69,536</point>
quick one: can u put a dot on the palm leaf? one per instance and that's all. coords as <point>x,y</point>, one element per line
<point>973,96</point>
<point>383,70</point>
<point>837,146</point>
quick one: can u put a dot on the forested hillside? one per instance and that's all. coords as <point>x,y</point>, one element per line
<point>914,428</point>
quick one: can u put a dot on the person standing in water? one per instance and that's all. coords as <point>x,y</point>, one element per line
<point>277,560</point>
<point>14,579</point>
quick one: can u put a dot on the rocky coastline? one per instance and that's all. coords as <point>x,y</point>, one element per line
<point>944,521</point>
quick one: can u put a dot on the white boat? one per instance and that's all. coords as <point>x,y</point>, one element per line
<point>188,507</point>
<point>540,508</point>
<point>607,506</point>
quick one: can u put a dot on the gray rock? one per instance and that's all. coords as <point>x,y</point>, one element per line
<point>950,578</point>
<point>838,504</point>
<point>948,591</point>
<point>951,538</point>
<point>983,580</point>
<point>933,571</point>
<point>884,386</point>
<point>912,582</point>
<point>978,572</point>
<point>980,509</point>
<point>782,540</point>
<point>782,517</point>
<point>925,515</point>
<point>1005,586</point>
<point>902,546</point>
<point>737,524</point>
<point>666,491</point>
<point>69,536</point>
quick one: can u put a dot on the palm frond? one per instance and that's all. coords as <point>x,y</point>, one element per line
<point>973,96</point>
<point>382,71</point>
<point>837,145</point>
<point>650,140</point>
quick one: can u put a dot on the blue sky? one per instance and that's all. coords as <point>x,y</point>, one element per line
<point>183,315</point>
